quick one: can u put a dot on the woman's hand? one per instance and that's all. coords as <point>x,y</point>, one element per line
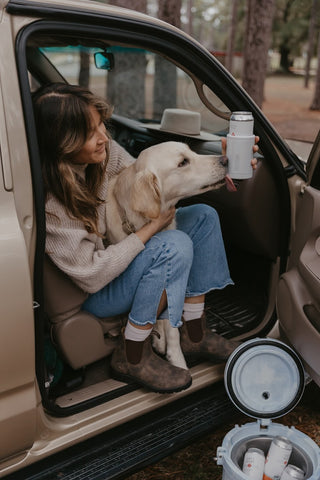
<point>156,225</point>
<point>255,149</point>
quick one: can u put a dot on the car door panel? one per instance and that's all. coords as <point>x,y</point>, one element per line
<point>298,297</point>
<point>309,263</point>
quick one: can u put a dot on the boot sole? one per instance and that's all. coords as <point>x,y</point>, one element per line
<point>122,377</point>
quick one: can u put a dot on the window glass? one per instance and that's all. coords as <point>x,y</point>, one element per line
<point>140,85</point>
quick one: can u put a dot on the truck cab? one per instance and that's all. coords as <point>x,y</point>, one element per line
<point>58,402</point>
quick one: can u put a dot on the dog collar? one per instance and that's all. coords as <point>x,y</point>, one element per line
<point>127,226</point>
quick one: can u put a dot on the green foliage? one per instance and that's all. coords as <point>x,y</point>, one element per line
<point>211,20</point>
<point>291,24</point>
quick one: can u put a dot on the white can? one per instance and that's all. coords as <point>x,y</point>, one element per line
<point>240,141</point>
<point>253,463</point>
<point>292,472</point>
<point>277,457</point>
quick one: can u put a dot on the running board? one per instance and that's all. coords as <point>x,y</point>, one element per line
<point>118,453</point>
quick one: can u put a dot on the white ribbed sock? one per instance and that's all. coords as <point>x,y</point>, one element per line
<point>136,334</point>
<point>191,311</point>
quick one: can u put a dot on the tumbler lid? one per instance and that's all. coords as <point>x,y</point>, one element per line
<point>264,378</point>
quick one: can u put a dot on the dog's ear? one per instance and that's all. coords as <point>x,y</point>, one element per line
<point>146,194</point>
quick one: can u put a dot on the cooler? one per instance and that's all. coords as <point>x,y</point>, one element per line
<point>265,379</point>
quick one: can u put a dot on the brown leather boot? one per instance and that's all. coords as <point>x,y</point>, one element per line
<point>137,362</point>
<point>198,341</point>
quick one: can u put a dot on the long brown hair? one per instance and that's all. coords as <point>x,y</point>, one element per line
<point>62,115</point>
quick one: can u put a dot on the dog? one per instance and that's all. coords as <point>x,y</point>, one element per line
<point>161,176</point>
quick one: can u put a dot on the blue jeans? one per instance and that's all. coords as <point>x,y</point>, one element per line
<point>186,262</point>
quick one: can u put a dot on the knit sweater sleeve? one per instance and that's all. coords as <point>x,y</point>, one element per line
<point>118,158</point>
<point>81,255</point>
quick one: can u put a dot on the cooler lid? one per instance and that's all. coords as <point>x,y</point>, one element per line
<point>264,378</point>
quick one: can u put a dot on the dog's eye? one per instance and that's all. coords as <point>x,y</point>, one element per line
<point>184,162</point>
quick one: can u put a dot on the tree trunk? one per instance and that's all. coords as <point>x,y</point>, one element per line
<point>312,25</point>
<point>316,100</point>
<point>284,58</point>
<point>165,76</point>
<point>126,83</point>
<point>169,11</point>
<point>84,72</point>
<point>190,17</point>
<point>232,32</point>
<point>138,5</point>
<point>257,42</point>
<point>283,48</point>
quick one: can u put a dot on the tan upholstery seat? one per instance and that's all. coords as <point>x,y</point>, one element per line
<point>81,337</point>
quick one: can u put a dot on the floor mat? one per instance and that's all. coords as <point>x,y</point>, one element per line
<point>235,310</point>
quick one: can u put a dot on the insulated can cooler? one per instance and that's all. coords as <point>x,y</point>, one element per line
<point>240,141</point>
<point>253,463</point>
<point>277,457</point>
<point>291,472</point>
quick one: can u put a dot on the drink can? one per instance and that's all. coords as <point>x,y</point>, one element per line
<point>277,457</point>
<point>291,472</point>
<point>253,463</point>
<point>241,124</point>
<point>240,141</point>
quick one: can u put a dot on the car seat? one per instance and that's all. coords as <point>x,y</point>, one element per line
<point>80,337</point>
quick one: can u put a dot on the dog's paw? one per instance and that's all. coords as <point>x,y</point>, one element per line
<point>174,353</point>
<point>176,358</point>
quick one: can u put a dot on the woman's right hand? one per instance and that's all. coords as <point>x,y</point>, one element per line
<point>156,225</point>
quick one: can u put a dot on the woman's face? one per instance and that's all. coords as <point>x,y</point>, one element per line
<point>94,148</point>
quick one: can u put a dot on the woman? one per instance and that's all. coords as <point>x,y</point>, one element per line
<point>149,273</point>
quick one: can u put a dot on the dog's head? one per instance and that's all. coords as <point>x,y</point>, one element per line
<point>167,172</point>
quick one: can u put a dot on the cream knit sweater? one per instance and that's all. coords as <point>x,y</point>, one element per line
<point>81,255</point>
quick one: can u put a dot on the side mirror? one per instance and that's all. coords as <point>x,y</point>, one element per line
<point>104,60</point>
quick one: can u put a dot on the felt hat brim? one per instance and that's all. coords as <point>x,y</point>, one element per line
<point>182,122</point>
<point>208,137</point>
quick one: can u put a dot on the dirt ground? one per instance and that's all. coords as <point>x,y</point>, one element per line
<point>287,107</point>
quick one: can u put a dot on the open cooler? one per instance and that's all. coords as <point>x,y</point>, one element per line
<point>265,379</point>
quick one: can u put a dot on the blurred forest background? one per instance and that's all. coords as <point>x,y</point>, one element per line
<point>252,38</point>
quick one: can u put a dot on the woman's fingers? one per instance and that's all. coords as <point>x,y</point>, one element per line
<point>223,145</point>
<point>255,150</point>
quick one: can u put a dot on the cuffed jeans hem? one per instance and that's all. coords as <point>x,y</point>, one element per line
<point>141,324</point>
<point>218,287</point>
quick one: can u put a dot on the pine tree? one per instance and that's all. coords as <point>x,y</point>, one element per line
<point>257,42</point>
<point>316,99</point>
<point>126,84</point>
<point>165,72</point>
<point>231,36</point>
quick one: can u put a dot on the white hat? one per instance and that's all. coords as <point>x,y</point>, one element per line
<point>182,122</point>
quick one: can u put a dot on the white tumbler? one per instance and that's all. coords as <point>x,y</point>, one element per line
<point>240,141</point>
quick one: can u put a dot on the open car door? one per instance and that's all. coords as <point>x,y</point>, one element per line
<point>298,299</point>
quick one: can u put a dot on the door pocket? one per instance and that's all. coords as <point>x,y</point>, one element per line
<point>309,263</point>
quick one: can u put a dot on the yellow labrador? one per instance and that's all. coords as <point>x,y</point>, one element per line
<point>161,176</point>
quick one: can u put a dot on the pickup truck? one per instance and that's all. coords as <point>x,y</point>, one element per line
<point>61,414</point>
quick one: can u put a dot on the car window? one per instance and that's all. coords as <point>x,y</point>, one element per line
<point>139,84</point>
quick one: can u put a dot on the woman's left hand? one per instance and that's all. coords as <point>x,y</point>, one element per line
<point>254,149</point>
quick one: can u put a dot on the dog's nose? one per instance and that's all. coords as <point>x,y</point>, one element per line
<point>223,160</point>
